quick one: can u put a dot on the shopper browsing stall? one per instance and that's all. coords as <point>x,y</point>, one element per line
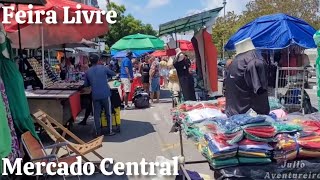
<point>126,75</point>
<point>155,79</point>
<point>144,71</point>
<point>182,65</point>
<point>96,77</point>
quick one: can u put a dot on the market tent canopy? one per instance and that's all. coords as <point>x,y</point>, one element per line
<point>189,23</point>
<point>54,34</point>
<point>185,45</point>
<point>276,31</point>
<point>137,52</point>
<point>83,43</point>
<point>34,2</point>
<point>138,42</point>
<point>123,54</point>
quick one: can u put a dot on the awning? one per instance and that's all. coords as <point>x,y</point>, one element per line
<point>189,23</point>
<point>34,2</point>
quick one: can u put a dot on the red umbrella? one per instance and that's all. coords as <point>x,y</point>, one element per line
<point>185,45</point>
<point>55,34</point>
<point>159,53</point>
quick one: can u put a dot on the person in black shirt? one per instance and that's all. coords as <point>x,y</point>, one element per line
<point>247,83</point>
<point>182,65</point>
<point>144,71</point>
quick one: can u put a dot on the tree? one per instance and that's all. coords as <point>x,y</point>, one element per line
<point>223,29</point>
<point>126,25</point>
<point>305,9</point>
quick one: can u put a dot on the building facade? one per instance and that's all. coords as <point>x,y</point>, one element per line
<point>93,3</point>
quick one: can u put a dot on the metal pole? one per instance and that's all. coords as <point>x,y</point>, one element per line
<point>43,70</point>
<point>224,17</point>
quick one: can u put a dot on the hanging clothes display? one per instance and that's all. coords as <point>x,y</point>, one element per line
<point>15,145</point>
<point>5,137</point>
<point>14,87</point>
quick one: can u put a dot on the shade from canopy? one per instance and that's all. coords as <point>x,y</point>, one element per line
<point>138,42</point>
<point>276,31</point>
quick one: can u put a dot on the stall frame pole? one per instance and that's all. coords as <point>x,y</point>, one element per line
<point>42,49</point>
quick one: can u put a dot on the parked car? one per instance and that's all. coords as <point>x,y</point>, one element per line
<point>311,72</point>
<point>221,66</point>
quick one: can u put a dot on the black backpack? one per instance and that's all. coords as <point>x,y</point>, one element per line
<point>141,99</point>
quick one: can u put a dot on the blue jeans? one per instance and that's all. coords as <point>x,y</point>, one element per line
<point>98,106</point>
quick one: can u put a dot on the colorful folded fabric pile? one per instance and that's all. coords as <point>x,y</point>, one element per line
<point>255,128</point>
<point>282,127</point>
<point>219,153</point>
<point>274,104</point>
<point>200,115</point>
<point>252,152</point>
<point>225,130</point>
<point>292,147</point>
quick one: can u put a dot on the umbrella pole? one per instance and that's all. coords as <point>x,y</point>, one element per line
<point>43,70</point>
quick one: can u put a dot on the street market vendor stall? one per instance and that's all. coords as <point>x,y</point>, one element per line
<point>64,106</point>
<point>282,40</point>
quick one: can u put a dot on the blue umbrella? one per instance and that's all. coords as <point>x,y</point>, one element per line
<point>123,54</point>
<point>276,31</point>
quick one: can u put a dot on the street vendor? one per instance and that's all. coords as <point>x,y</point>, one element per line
<point>246,81</point>
<point>96,77</point>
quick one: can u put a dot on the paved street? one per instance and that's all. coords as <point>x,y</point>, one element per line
<point>144,134</point>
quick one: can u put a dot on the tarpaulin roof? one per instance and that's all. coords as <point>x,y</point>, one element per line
<point>188,23</point>
<point>276,31</point>
<point>34,2</point>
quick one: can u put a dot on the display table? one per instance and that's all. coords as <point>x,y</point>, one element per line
<point>61,105</point>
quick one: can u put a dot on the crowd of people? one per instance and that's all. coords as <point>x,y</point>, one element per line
<point>152,71</point>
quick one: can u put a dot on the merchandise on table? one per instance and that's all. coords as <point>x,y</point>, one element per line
<point>226,130</point>
<point>199,115</point>
<point>274,104</point>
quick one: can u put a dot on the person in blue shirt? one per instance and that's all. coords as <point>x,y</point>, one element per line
<point>126,75</point>
<point>96,78</point>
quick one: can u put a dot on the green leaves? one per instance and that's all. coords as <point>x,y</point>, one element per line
<point>126,25</point>
<point>224,28</point>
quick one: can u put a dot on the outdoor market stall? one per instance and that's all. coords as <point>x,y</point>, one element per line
<point>205,58</point>
<point>138,44</point>
<point>34,36</point>
<point>261,143</point>
<point>282,40</point>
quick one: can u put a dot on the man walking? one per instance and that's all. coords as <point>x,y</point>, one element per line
<point>96,77</point>
<point>126,75</point>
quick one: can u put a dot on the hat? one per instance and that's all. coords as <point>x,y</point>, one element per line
<point>94,58</point>
<point>129,53</point>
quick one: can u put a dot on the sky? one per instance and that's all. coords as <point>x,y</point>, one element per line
<point>156,12</point>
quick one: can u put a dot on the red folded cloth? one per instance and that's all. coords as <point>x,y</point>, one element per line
<point>261,131</point>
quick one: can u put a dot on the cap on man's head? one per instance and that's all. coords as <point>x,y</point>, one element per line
<point>94,58</point>
<point>129,53</point>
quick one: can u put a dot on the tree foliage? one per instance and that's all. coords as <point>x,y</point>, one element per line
<point>126,25</point>
<point>224,28</point>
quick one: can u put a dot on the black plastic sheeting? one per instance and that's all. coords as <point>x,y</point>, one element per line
<point>293,170</point>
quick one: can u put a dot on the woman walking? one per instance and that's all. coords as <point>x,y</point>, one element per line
<point>155,79</point>
<point>144,71</point>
